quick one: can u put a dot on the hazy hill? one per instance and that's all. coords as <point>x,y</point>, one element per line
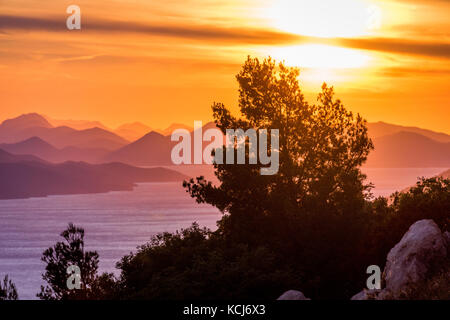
<point>379,129</point>
<point>33,146</point>
<point>76,124</point>
<point>445,174</point>
<point>407,149</point>
<point>39,148</point>
<point>168,131</point>
<point>25,179</point>
<point>132,131</point>
<point>396,146</point>
<point>33,125</point>
<point>10,127</point>
<point>150,150</point>
<point>6,157</point>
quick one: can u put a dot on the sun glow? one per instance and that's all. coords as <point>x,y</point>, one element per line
<point>321,56</point>
<point>324,18</point>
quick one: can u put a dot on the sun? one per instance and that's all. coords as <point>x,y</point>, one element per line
<point>321,21</point>
<point>324,18</point>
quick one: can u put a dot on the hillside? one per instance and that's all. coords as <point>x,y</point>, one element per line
<point>445,174</point>
<point>33,134</point>
<point>151,149</point>
<point>76,124</point>
<point>33,125</point>
<point>6,157</point>
<point>380,129</point>
<point>24,179</point>
<point>39,148</point>
<point>407,149</point>
<point>132,131</point>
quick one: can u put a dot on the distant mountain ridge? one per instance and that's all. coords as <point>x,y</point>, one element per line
<point>76,124</point>
<point>33,125</point>
<point>168,131</point>
<point>445,174</point>
<point>24,121</point>
<point>37,147</point>
<point>379,129</point>
<point>150,150</point>
<point>132,131</point>
<point>6,157</point>
<point>395,146</point>
<point>28,176</point>
<point>408,149</point>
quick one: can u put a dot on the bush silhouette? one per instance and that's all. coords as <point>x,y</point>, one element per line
<point>8,290</point>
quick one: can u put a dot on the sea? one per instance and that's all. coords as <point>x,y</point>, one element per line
<point>116,223</point>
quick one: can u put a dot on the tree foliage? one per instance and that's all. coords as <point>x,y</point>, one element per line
<point>311,227</point>
<point>8,290</point>
<point>321,144</point>
<point>58,258</point>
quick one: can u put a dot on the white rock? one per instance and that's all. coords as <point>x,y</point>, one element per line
<point>366,295</point>
<point>293,295</point>
<point>420,250</point>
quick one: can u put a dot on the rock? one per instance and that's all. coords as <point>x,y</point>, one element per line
<point>421,250</point>
<point>293,295</point>
<point>447,238</point>
<point>366,295</point>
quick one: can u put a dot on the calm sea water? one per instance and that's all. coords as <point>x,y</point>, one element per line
<point>117,222</point>
<point>389,180</point>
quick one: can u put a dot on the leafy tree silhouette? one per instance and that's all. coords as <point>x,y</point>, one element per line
<point>62,255</point>
<point>8,290</point>
<point>310,227</point>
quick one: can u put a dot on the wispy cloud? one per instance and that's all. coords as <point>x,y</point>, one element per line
<point>408,72</point>
<point>426,2</point>
<point>238,36</point>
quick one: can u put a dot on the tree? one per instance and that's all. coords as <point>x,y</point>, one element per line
<point>58,258</point>
<point>8,290</point>
<point>316,201</point>
<point>321,145</point>
<point>310,227</point>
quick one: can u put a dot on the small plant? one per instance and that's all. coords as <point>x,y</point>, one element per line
<point>8,290</point>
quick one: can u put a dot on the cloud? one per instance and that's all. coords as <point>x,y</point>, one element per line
<point>423,2</point>
<point>401,46</point>
<point>408,72</point>
<point>234,36</point>
<point>255,36</point>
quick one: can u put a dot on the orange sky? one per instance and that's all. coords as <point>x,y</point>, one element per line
<point>160,62</point>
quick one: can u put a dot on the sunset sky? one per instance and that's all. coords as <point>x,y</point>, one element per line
<point>160,62</point>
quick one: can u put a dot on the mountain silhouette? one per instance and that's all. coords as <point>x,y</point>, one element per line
<point>379,129</point>
<point>168,131</point>
<point>33,134</point>
<point>6,157</point>
<point>76,124</point>
<point>33,146</point>
<point>132,131</point>
<point>23,177</point>
<point>39,148</point>
<point>33,125</point>
<point>25,121</point>
<point>408,150</point>
<point>445,174</point>
<point>152,149</point>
